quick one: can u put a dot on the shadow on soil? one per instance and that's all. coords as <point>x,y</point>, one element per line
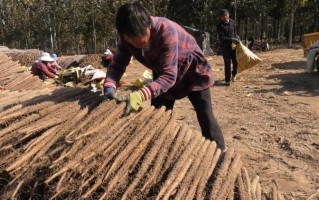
<point>299,83</point>
<point>83,96</point>
<point>294,65</point>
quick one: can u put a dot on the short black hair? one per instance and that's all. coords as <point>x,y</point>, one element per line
<point>223,12</point>
<point>132,19</point>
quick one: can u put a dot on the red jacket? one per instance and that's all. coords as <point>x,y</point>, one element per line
<point>38,68</point>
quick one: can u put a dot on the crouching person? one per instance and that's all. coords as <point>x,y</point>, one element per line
<point>43,67</point>
<point>107,58</point>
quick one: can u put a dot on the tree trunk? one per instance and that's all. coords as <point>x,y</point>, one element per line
<point>238,28</point>
<point>291,27</point>
<point>51,32</point>
<point>153,7</point>
<point>274,27</point>
<point>235,11</point>
<point>94,28</point>
<point>55,46</point>
<point>246,27</point>
<point>301,32</point>
<point>59,40</point>
<point>94,37</point>
<point>51,38</point>
<point>278,29</point>
<point>316,23</point>
<point>77,44</point>
<point>261,30</point>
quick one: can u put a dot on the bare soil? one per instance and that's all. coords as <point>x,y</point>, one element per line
<point>270,115</point>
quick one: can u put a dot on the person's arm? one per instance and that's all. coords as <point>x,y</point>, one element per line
<point>118,66</point>
<point>46,71</point>
<point>50,68</point>
<point>55,64</point>
<point>168,64</point>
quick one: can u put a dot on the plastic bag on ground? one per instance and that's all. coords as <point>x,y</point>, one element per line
<point>70,75</point>
<point>98,75</point>
<point>87,70</point>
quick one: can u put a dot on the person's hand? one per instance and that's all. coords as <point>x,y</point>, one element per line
<point>235,40</point>
<point>133,101</point>
<point>109,93</point>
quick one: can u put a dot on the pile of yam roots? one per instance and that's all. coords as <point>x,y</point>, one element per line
<point>68,143</point>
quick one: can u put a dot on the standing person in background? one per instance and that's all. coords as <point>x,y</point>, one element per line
<point>227,35</point>
<point>179,66</point>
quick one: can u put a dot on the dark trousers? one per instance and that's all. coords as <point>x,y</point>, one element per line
<point>105,63</point>
<point>229,56</point>
<point>42,76</point>
<point>201,101</point>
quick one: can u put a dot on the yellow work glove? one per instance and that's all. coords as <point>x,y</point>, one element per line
<point>134,100</point>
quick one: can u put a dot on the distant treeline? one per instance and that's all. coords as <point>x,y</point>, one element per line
<point>79,26</point>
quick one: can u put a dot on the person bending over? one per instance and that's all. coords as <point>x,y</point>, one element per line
<point>179,66</point>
